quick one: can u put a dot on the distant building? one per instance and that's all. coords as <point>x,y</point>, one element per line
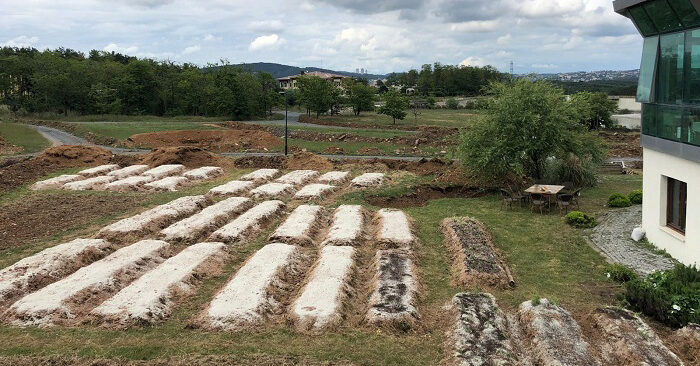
<point>290,82</point>
<point>669,90</point>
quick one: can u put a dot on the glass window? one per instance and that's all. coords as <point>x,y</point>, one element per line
<point>686,11</point>
<point>669,85</point>
<point>676,199</point>
<point>669,123</point>
<point>692,67</point>
<point>647,69</point>
<point>642,20</point>
<point>692,123</point>
<point>663,17</point>
<point>649,119</point>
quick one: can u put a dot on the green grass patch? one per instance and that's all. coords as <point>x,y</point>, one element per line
<point>25,137</point>
<point>123,130</point>
<point>428,117</point>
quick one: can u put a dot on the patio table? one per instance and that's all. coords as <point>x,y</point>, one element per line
<point>546,190</point>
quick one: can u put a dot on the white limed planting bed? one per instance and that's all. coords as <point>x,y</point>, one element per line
<point>166,184</point>
<point>155,218</point>
<point>128,171</point>
<point>234,187</point>
<point>56,182</point>
<point>273,190</point>
<point>246,298</point>
<point>165,170</point>
<point>314,191</point>
<point>335,177</point>
<point>394,295</point>
<point>299,227</point>
<point>204,172</point>
<point>94,183</point>
<point>394,228</point>
<point>261,175</point>
<point>320,302</point>
<point>368,180</point>
<point>247,223</point>
<point>47,266</point>
<point>347,227</point>
<point>189,229</point>
<point>151,297</point>
<point>129,183</point>
<point>53,302</point>
<point>98,170</point>
<point>297,177</point>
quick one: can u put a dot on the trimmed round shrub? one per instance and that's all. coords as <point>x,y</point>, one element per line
<point>619,200</point>
<point>635,197</point>
<point>580,219</point>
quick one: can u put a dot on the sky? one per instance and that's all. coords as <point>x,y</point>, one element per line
<point>382,36</point>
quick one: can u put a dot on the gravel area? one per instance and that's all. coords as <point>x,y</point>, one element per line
<point>612,239</point>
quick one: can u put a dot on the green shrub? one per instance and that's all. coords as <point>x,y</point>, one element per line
<point>620,273</point>
<point>635,197</point>
<point>582,173</point>
<point>452,103</point>
<point>619,200</point>
<point>672,297</point>
<point>580,219</point>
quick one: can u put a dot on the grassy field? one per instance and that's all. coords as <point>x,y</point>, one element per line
<point>548,259</point>
<point>123,130</point>
<point>428,117</point>
<point>25,137</point>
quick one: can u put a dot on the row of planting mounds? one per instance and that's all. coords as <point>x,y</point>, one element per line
<point>475,260</point>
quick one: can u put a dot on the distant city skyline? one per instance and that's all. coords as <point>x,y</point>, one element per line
<point>540,36</point>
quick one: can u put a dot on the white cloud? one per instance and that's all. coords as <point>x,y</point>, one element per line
<point>191,49</point>
<point>476,26</point>
<point>544,66</point>
<point>113,47</point>
<point>473,61</point>
<point>21,41</point>
<point>263,42</point>
<point>210,38</point>
<point>266,26</point>
<point>502,40</point>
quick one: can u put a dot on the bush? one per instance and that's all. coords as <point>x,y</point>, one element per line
<point>672,297</point>
<point>452,103</point>
<point>580,219</point>
<point>620,273</point>
<point>619,200</point>
<point>635,197</point>
<point>582,173</point>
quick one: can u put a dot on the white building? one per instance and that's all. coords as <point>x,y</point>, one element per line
<point>669,90</point>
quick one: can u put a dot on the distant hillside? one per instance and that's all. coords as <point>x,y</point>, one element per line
<point>279,70</point>
<point>586,76</point>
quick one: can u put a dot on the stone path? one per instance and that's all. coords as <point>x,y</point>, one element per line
<point>612,239</point>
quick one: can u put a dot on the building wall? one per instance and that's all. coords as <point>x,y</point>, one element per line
<point>657,166</point>
<point>629,103</point>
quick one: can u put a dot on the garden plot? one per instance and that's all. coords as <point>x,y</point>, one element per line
<point>74,295</point>
<point>368,180</point>
<point>56,182</point>
<point>232,188</point>
<point>553,335</point>
<point>210,218</point>
<point>297,177</point>
<point>95,183</point>
<point>314,191</point>
<point>250,296</point>
<point>47,266</point>
<point>151,297</point>
<point>625,339</point>
<point>347,227</point>
<point>321,300</point>
<point>273,190</point>
<point>334,177</point>
<point>169,184</point>
<point>474,257</point>
<point>247,223</point>
<point>129,183</point>
<point>261,175</point>
<point>396,288</point>
<point>300,226</point>
<point>165,170</point>
<point>128,171</point>
<point>98,170</point>
<point>480,335</point>
<point>394,229</point>
<point>153,219</point>
<point>205,172</point>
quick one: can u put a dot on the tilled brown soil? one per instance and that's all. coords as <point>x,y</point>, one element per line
<point>7,148</point>
<point>424,193</point>
<point>220,141</point>
<point>43,215</point>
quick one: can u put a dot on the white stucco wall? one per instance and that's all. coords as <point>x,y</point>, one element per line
<point>629,103</point>
<point>657,166</point>
<point>631,121</point>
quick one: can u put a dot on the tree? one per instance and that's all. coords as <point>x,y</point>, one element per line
<point>315,93</point>
<point>452,103</point>
<point>594,110</point>
<point>528,123</point>
<point>381,87</point>
<point>360,97</point>
<point>395,105</point>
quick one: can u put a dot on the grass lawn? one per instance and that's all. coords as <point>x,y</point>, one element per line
<point>428,117</point>
<point>25,137</point>
<point>548,259</point>
<point>123,130</point>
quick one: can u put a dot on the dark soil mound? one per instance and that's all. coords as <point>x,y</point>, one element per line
<point>424,193</point>
<point>191,157</point>
<point>307,160</point>
<point>276,162</point>
<point>219,141</point>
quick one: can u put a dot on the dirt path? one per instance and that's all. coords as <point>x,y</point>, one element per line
<point>612,239</point>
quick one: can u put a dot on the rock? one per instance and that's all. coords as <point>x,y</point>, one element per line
<point>638,234</point>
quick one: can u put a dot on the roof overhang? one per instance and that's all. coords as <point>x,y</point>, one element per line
<point>621,6</point>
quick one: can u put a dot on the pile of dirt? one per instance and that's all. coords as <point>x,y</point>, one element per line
<point>7,148</point>
<point>219,141</point>
<point>191,157</point>
<point>424,193</point>
<point>622,144</point>
<point>686,343</point>
<point>307,160</point>
<point>259,162</point>
<point>45,215</point>
<point>19,172</point>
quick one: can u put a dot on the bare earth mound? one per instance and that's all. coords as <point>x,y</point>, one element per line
<point>220,141</point>
<point>7,148</point>
<point>191,157</point>
<point>307,160</point>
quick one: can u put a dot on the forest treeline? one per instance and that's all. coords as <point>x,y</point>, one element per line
<point>68,81</point>
<point>447,80</point>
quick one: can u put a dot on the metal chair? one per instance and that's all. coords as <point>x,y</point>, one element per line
<point>575,196</point>
<point>564,201</point>
<point>507,198</point>
<point>538,201</point>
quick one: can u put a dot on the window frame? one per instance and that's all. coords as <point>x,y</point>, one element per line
<point>682,204</point>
